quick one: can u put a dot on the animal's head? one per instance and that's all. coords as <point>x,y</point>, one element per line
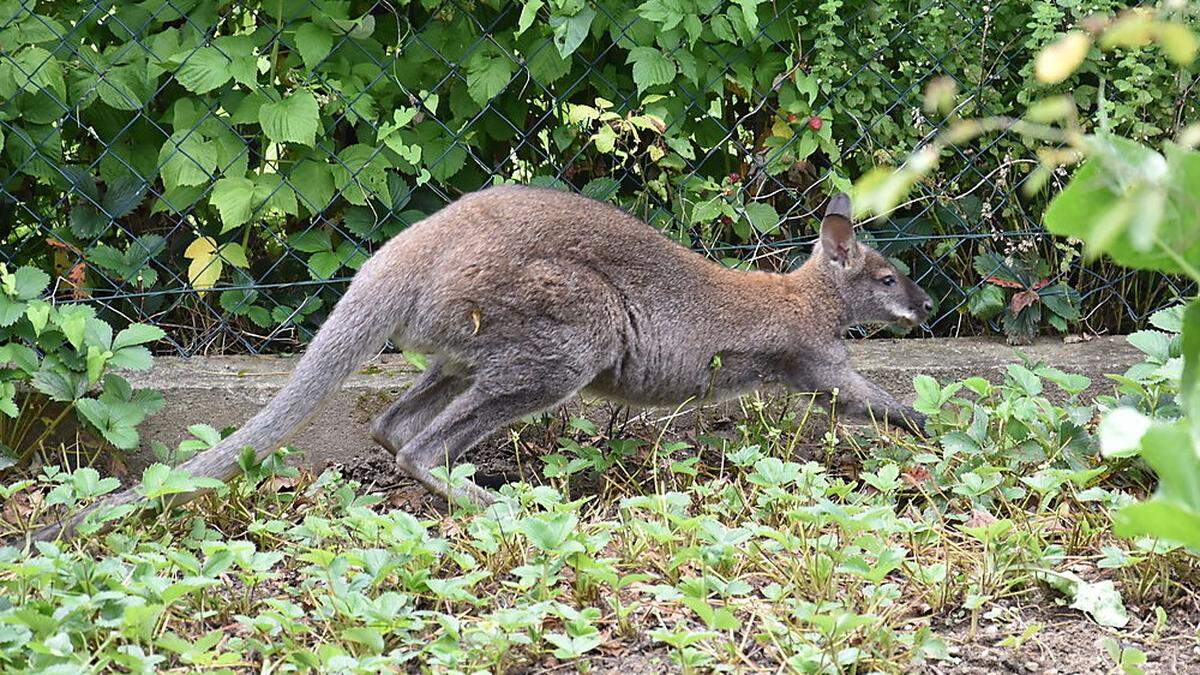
<point>873,289</point>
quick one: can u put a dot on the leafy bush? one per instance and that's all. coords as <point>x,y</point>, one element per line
<point>55,361</point>
<point>1139,207</point>
<point>259,145</point>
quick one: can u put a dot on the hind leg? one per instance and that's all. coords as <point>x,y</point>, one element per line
<point>485,407</point>
<point>415,408</point>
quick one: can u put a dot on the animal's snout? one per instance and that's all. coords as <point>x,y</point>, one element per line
<point>923,306</point>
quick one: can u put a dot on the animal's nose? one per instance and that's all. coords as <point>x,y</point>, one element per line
<point>927,305</point>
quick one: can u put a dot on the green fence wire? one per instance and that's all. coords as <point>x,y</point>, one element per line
<point>221,169</point>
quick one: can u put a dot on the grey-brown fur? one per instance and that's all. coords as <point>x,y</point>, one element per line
<point>525,297</point>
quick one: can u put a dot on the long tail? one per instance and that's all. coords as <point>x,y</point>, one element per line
<point>358,326</point>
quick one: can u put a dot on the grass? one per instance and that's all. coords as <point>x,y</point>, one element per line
<point>778,542</point>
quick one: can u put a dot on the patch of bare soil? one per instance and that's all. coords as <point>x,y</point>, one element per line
<point>1068,642</point>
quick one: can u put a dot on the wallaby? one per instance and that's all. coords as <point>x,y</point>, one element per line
<point>525,297</point>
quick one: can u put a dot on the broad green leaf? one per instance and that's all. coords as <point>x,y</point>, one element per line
<point>1127,199</point>
<point>528,14</point>
<point>1152,343</point>
<point>985,302</point>
<point>1173,513</point>
<point>137,334</point>
<point>1121,432</point>
<point>313,184</point>
<point>234,199</point>
<point>1190,380</point>
<point>569,31</point>
<point>293,119</point>
<point>763,217</point>
<point>187,159</point>
<point>37,70</point>
<point>310,241</point>
<point>30,282</point>
<point>650,67</point>
<point>489,71</point>
<point>1102,601</point>
<point>360,174</point>
<point>314,43</point>
<point>203,70</point>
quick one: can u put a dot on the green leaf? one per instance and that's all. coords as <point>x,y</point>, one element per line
<point>36,70</point>
<point>1152,343</point>
<point>72,321</point>
<point>1126,198</point>
<point>1190,380</point>
<point>310,241</point>
<point>1173,513</point>
<point>203,70</point>
<point>569,31</point>
<point>159,480</point>
<point>314,43</point>
<point>1102,601</point>
<point>361,174</point>
<point>60,385</point>
<point>234,199</point>
<point>187,159</point>
<point>137,334</point>
<point>324,265</point>
<point>528,15</point>
<point>985,301</point>
<point>1121,431</point>
<point>30,282</point>
<point>489,71</point>
<point>312,182</point>
<point>763,217</point>
<point>650,67</point>
<point>116,420</point>
<point>293,119</point>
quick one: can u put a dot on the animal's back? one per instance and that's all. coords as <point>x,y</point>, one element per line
<point>528,223</point>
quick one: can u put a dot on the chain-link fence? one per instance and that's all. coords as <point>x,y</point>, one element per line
<point>220,169</point>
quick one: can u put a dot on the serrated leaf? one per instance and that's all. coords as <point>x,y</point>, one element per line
<point>312,182</point>
<point>489,71</point>
<point>137,334</point>
<point>187,159</point>
<point>985,302</point>
<point>650,67</point>
<point>314,43</point>
<point>203,70</point>
<point>293,119</point>
<point>762,217</point>
<point>30,282</point>
<point>234,199</point>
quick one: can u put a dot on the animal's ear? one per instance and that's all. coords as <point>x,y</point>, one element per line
<point>837,232</point>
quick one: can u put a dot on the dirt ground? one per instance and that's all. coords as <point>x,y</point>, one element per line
<point>1069,643</point>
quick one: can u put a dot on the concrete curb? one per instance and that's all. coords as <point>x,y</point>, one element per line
<point>225,391</point>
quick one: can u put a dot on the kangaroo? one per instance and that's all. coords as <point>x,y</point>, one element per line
<point>524,297</point>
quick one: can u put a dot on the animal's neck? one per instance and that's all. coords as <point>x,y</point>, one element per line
<point>815,281</point>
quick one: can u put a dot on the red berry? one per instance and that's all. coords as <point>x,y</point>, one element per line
<point>791,117</point>
<point>735,177</point>
<point>815,123</point>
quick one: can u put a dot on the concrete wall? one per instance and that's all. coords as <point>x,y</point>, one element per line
<point>225,391</point>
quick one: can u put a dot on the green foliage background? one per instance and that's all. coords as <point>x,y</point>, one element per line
<point>208,166</point>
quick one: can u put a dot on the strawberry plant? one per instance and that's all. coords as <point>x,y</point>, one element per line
<point>57,364</point>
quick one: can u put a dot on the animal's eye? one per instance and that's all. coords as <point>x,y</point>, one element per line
<point>888,280</point>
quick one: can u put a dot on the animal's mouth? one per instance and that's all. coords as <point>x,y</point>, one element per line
<point>908,321</point>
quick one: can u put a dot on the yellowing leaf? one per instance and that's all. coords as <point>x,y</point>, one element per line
<point>1060,59</point>
<point>206,265</point>
<point>1179,42</point>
